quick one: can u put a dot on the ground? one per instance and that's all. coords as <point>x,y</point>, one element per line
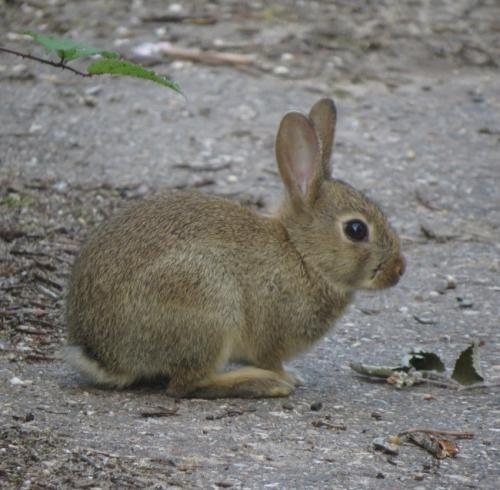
<point>417,85</point>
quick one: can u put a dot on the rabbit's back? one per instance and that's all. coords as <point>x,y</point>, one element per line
<point>175,259</point>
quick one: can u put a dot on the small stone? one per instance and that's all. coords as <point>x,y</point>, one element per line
<point>376,415</point>
<point>287,405</point>
<point>88,101</point>
<point>380,475</point>
<point>316,406</point>
<point>451,282</point>
<point>19,382</point>
<point>60,186</point>
<point>411,155</point>
<point>380,444</point>
<point>425,319</point>
<point>419,476</point>
<point>232,178</point>
<point>94,90</point>
<point>35,128</point>
<point>223,484</point>
<point>281,70</point>
<point>464,302</point>
<point>175,8</point>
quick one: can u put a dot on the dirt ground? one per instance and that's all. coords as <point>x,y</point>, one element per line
<point>417,85</point>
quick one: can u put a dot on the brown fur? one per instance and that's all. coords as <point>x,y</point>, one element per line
<point>183,283</point>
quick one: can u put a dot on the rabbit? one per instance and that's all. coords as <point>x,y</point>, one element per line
<point>183,283</point>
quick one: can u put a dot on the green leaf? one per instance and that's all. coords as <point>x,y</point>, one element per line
<point>67,49</point>
<point>421,360</point>
<point>126,68</point>
<point>467,370</point>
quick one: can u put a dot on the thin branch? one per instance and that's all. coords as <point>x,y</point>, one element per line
<point>459,434</point>
<point>59,64</point>
<point>479,385</point>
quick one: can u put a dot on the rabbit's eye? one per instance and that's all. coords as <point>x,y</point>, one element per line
<point>356,230</point>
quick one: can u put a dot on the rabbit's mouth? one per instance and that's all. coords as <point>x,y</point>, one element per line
<point>388,273</point>
<point>377,270</point>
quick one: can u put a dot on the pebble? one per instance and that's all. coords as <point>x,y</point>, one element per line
<point>94,90</point>
<point>451,282</point>
<point>380,444</point>
<point>411,155</point>
<point>316,406</point>
<point>425,319</point>
<point>281,70</point>
<point>88,101</point>
<point>19,382</point>
<point>447,284</point>
<point>464,302</point>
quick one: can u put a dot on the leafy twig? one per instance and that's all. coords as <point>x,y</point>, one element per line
<point>109,63</point>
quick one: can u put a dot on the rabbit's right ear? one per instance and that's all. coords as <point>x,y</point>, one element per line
<point>298,155</point>
<point>323,115</point>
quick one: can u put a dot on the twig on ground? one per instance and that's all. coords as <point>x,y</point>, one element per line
<point>480,385</point>
<point>161,412</point>
<point>452,433</point>
<point>210,57</point>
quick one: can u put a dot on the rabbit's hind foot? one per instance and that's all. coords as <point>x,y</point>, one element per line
<point>245,382</point>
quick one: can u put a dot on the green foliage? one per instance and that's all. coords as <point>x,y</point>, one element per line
<point>109,62</point>
<point>15,201</point>
<point>67,49</point>
<point>126,68</point>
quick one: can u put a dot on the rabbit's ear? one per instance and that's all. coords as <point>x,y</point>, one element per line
<point>299,159</point>
<point>323,116</point>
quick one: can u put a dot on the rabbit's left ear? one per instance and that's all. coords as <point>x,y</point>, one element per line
<point>298,156</point>
<point>323,116</point>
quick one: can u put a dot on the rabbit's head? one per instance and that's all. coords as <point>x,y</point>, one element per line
<point>336,229</point>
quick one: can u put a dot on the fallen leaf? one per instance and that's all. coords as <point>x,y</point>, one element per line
<point>423,361</point>
<point>371,370</point>
<point>448,448</point>
<point>467,370</point>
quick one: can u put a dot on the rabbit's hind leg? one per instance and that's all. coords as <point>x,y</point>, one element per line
<point>245,382</point>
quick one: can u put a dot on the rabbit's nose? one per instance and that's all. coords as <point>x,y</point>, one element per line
<point>401,265</point>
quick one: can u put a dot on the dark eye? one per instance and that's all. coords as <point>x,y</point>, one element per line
<point>356,230</point>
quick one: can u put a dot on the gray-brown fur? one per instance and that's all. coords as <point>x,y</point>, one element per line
<point>184,282</point>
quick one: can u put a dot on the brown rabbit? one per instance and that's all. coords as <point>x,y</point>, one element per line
<point>183,283</point>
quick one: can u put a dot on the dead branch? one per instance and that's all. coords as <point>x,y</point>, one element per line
<point>458,434</point>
